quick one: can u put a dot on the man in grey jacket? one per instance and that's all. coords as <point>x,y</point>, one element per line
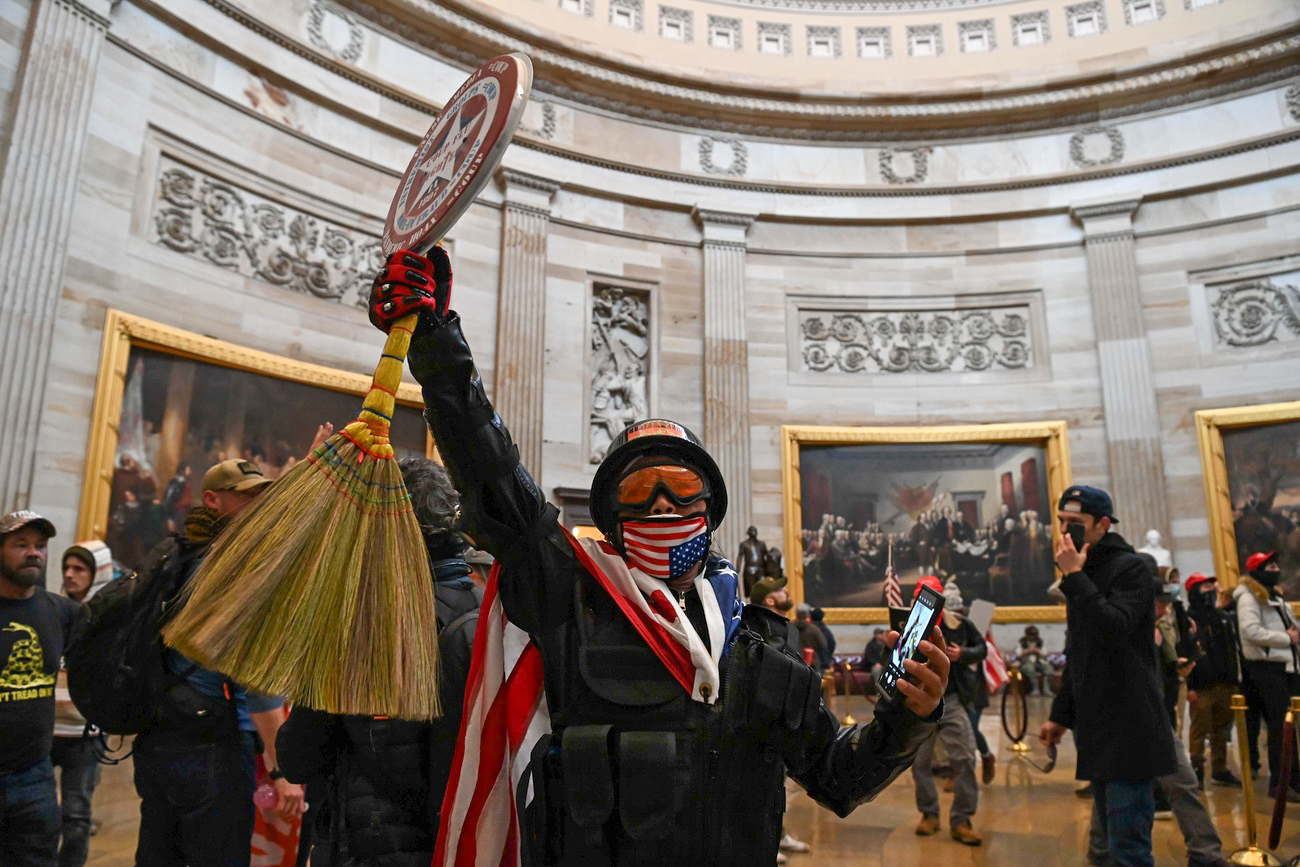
<point>1268,650</point>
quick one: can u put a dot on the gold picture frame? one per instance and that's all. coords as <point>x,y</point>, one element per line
<point>1051,436</point>
<point>1219,479</point>
<point>125,334</point>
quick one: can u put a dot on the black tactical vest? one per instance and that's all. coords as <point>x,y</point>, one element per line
<point>636,772</point>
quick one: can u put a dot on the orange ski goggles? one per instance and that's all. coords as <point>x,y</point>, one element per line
<point>681,485</point>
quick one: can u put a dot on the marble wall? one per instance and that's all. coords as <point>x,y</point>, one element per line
<point>314,122</point>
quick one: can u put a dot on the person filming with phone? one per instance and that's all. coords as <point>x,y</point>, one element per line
<point>1110,694</point>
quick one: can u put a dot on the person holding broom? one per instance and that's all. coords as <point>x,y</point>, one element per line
<point>623,705</point>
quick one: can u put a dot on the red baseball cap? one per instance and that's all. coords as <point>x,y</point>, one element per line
<point>1194,579</point>
<point>1259,558</point>
<point>928,581</point>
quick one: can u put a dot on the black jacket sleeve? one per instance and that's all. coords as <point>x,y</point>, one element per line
<point>309,744</point>
<point>852,765</point>
<point>503,510</point>
<point>1119,610</point>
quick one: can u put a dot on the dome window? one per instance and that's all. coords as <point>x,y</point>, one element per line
<point>873,42</point>
<point>724,32</point>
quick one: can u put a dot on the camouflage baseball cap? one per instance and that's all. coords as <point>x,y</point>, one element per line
<point>15,521</point>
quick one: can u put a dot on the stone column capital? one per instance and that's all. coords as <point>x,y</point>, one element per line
<point>724,227</point>
<point>97,11</point>
<point>1106,216</point>
<point>528,191</point>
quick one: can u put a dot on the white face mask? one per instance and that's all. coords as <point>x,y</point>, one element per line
<point>666,547</point>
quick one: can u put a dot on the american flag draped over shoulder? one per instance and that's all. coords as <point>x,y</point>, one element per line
<point>505,700</point>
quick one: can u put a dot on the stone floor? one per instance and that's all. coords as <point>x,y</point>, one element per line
<point>1026,817</point>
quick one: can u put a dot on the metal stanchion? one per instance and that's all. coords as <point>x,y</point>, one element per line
<point>848,691</point>
<point>1252,855</point>
<point>1019,716</point>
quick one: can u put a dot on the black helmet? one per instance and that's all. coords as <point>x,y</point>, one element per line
<point>652,436</point>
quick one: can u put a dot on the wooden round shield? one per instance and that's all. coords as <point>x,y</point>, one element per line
<point>459,153</point>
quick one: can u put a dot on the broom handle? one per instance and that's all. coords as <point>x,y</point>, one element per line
<point>381,400</point>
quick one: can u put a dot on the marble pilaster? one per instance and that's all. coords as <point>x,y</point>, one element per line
<point>521,311</point>
<point>1127,382</point>
<point>726,365</point>
<point>37,192</point>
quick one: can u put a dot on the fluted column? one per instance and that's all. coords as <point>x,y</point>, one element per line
<point>1127,383</point>
<point>726,365</point>
<point>521,315</point>
<point>50,110</point>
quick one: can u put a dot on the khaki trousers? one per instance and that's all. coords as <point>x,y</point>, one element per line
<point>1212,719</point>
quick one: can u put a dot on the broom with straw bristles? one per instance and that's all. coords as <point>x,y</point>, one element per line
<point>320,590</point>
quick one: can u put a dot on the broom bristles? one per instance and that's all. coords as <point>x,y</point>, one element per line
<point>320,591</point>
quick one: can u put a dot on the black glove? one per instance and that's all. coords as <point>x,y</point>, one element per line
<point>410,283</point>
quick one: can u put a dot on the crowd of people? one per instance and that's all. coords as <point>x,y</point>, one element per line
<point>632,644</point>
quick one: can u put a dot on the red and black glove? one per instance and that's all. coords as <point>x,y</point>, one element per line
<point>410,283</point>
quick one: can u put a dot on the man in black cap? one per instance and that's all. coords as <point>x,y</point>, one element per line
<point>1110,694</point>
<point>672,711</point>
<point>34,627</point>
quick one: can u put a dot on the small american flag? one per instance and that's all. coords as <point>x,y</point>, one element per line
<point>664,548</point>
<point>995,667</point>
<point>893,592</point>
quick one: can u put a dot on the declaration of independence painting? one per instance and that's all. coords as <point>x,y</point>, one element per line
<point>979,513</point>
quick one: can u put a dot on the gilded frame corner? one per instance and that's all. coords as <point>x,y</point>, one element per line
<point>122,331</point>
<point>1210,424</point>
<point>1052,435</point>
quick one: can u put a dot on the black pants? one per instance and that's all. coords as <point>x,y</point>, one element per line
<point>196,800</point>
<point>78,775</point>
<point>1270,686</point>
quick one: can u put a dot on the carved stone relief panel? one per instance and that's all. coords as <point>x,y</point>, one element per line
<point>919,340</point>
<point>1293,101</point>
<point>620,363</point>
<point>1096,146</point>
<point>209,218</point>
<point>904,165</point>
<point>334,31</point>
<point>723,156</point>
<point>1256,312</point>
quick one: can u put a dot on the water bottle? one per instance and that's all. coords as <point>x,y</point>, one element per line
<point>265,797</point>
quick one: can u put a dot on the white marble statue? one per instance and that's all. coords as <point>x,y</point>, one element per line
<point>1164,559</point>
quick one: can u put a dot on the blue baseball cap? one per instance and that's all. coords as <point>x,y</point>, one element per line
<point>1089,501</point>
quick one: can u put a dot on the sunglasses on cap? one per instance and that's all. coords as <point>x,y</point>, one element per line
<point>641,487</point>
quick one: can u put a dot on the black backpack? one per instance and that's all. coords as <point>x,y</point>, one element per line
<point>117,673</point>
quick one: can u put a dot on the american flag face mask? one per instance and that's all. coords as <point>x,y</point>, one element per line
<point>666,548</point>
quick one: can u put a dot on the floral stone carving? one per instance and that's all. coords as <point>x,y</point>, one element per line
<point>211,219</point>
<point>1257,312</point>
<point>918,341</point>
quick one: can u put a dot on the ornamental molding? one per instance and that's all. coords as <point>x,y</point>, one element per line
<point>920,165</point>
<point>1116,208</point>
<point>350,51</point>
<point>723,218</point>
<point>1293,101</point>
<point>95,14</point>
<point>515,178</point>
<point>1129,15</point>
<point>683,16</point>
<point>1079,147</point>
<point>620,364</point>
<point>1255,313</point>
<point>925,341</point>
<point>847,108</point>
<point>214,220</point>
<point>739,156</point>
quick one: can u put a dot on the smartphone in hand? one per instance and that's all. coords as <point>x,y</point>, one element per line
<point>920,623</point>
<point>1075,532</point>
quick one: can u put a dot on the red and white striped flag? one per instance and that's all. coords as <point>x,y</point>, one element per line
<point>659,548</point>
<point>505,715</point>
<point>893,592</point>
<point>995,667</point>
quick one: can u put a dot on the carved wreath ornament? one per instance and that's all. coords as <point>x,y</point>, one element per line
<point>916,341</point>
<point>207,218</point>
<point>1251,314</point>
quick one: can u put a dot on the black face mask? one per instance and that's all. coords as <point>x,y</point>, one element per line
<point>1267,577</point>
<point>1204,599</point>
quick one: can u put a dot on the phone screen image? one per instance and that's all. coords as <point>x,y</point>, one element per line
<point>924,614</point>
